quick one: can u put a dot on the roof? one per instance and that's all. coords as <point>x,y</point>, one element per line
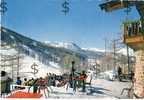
<point>120,4</point>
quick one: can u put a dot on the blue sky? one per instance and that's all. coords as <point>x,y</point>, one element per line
<point>86,24</point>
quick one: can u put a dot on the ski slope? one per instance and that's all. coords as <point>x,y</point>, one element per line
<point>25,63</point>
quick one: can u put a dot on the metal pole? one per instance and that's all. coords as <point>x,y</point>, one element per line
<point>114,53</point>
<point>128,61</point>
<point>12,70</point>
<point>18,66</point>
<point>72,72</point>
<point>142,21</point>
<point>105,46</point>
<point>73,67</point>
<point>3,9</point>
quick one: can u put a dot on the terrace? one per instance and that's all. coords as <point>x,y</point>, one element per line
<point>133,34</point>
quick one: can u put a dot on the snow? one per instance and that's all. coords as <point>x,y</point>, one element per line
<point>67,45</point>
<point>124,51</point>
<point>27,48</point>
<point>12,37</point>
<point>4,30</point>
<point>112,88</point>
<point>42,69</point>
<point>34,43</point>
<point>54,64</point>
<point>100,89</point>
<point>8,52</point>
<point>94,49</point>
<point>27,61</point>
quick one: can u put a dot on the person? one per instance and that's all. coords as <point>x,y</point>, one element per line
<point>8,83</point>
<point>72,77</point>
<point>119,73</point>
<point>18,82</point>
<point>129,29</point>
<point>25,83</point>
<point>83,77</point>
<point>48,82</point>
<point>31,83</point>
<point>132,76</point>
<point>53,79</point>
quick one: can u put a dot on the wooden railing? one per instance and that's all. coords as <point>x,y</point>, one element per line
<point>133,32</point>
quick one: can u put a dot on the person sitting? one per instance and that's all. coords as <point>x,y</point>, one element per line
<point>25,83</point>
<point>18,82</point>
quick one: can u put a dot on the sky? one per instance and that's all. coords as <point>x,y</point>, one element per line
<point>85,24</point>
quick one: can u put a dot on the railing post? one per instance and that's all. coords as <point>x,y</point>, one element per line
<point>142,22</point>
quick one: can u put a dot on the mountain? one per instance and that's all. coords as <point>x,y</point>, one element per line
<point>48,54</point>
<point>93,49</point>
<point>36,51</point>
<point>89,52</point>
<point>27,44</point>
<point>93,54</point>
<point>67,45</point>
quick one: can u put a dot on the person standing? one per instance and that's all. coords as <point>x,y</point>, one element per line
<point>119,73</point>
<point>83,77</point>
<point>73,77</point>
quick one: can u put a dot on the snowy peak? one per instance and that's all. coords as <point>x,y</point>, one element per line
<point>121,51</point>
<point>66,45</point>
<point>124,51</point>
<point>94,49</point>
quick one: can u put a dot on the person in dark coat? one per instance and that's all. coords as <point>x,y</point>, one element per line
<point>119,73</point>
<point>83,77</point>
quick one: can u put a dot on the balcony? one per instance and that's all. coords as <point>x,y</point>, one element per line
<point>133,35</point>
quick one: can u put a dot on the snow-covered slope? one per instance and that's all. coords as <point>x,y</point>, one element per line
<point>67,45</point>
<point>42,69</point>
<point>43,52</point>
<point>25,65</point>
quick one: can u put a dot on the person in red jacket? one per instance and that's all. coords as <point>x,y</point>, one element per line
<point>83,77</point>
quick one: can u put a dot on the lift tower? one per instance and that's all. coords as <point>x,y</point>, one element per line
<point>133,36</point>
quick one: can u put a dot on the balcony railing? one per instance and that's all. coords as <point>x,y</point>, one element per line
<point>133,34</point>
<point>133,28</point>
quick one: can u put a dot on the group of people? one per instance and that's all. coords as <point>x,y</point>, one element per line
<point>74,79</point>
<point>52,79</point>
<point>50,76</point>
<point>120,74</point>
<point>134,28</point>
